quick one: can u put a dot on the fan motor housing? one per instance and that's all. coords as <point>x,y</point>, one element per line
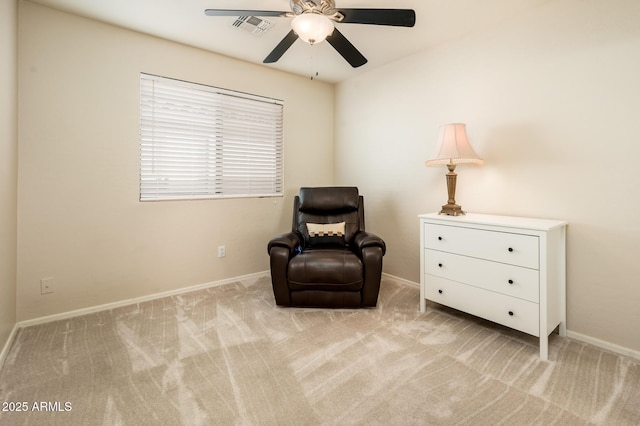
<point>325,7</point>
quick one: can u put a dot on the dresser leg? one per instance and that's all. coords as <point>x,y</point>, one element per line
<point>544,348</point>
<point>423,304</point>
<point>562,330</point>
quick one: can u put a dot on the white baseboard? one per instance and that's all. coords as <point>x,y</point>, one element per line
<point>7,345</point>
<point>602,344</point>
<point>120,303</point>
<point>402,280</point>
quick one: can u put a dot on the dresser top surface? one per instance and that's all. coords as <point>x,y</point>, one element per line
<point>495,220</point>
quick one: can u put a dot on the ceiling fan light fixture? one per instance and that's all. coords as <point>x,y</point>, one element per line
<point>312,27</point>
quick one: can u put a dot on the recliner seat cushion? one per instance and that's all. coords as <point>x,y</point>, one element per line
<point>325,269</point>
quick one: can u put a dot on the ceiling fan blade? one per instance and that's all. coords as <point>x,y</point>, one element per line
<point>346,49</point>
<point>240,12</point>
<point>282,47</point>
<point>393,17</point>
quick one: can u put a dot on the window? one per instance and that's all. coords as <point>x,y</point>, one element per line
<point>200,141</point>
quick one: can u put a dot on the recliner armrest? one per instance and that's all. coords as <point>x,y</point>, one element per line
<point>290,240</point>
<point>366,239</point>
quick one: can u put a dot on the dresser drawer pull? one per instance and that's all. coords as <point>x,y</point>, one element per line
<point>510,249</point>
<point>439,238</point>
<point>440,291</point>
<point>510,313</point>
<point>440,265</point>
<point>510,281</point>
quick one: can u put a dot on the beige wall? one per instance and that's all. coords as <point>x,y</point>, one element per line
<point>8,165</point>
<point>80,218</point>
<point>551,101</point>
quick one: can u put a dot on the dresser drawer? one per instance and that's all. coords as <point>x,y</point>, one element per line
<point>515,281</point>
<point>515,313</point>
<point>505,247</point>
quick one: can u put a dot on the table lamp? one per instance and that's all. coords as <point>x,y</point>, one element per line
<point>454,149</point>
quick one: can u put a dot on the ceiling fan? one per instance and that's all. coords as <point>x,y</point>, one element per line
<point>313,22</point>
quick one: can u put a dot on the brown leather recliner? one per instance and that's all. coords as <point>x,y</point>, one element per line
<point>328,259</point>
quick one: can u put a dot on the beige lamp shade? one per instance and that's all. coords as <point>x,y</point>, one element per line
<point>454,147</point>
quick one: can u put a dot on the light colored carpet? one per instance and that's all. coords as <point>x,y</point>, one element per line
<point>227,355</point>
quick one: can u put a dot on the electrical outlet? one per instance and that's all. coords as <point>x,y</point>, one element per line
<point>222,251</point>
<point>46,285</point>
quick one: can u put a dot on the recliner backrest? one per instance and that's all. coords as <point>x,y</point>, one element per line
<point>329,205</point>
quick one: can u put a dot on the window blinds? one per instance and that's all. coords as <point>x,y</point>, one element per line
<point>199,141</point>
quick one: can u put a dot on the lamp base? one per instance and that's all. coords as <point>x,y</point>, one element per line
<point>452,210</point>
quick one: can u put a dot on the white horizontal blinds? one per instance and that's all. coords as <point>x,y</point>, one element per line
<point>251,155</point>
<point>203,142</point>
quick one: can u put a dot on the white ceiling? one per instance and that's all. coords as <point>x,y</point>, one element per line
<point>184,21</point>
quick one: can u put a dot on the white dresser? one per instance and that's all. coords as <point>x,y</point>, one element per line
<point>509,270</point>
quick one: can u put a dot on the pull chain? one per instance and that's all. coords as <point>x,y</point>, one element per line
<point>312,65</point>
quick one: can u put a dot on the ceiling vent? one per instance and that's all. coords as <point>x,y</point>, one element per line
<point>252,24</point>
